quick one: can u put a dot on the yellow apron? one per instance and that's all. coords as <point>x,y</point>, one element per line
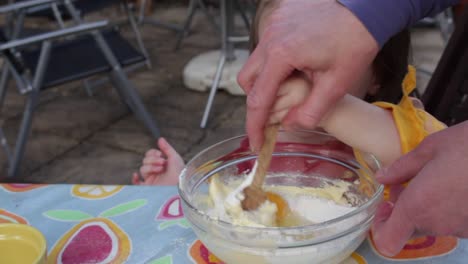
<point>412,122</point>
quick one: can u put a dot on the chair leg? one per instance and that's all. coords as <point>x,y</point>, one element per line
<point>208,16</point>
<point>241,8</point>
<point>136,30</point>
<point>141,15</point>
<point>58,15</point>
<point>88,87</point>
<point>130,96</point>
<point>4,78</point>
<point>142,19</point>
<point>187,23</point>
<point>23,134</point>
<point>29,109</point>
<point>118,77</point>
<point>4,145</point>
<point>214,88</point>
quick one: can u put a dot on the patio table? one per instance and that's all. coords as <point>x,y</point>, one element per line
<point>141,224</point>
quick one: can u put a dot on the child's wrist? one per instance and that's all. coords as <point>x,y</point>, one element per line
<point>334,117</point>
<point>324,122</point>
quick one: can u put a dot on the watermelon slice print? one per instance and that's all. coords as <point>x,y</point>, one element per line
<point>171,214</point>
<point>93,239</point>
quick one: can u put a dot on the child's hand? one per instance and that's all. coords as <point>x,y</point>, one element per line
<point>292,93</point>
<point>160,167</point>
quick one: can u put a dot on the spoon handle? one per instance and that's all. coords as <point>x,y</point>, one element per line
<point>264,157</point>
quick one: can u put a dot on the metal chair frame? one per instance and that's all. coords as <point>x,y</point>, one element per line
<point>89,84</point>
<point>32,86</point>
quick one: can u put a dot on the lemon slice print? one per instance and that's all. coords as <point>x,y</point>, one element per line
<point>95,192</point>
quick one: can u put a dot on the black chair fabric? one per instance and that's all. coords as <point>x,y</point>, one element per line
<point>12,58</point>
<point>81,57</point>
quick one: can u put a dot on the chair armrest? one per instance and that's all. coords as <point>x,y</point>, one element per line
<point>75,30</point>
<point>23,5</point>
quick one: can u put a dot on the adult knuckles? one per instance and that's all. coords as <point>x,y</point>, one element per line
<point>338,91</point>
<point>425,149</point>
<point>305,119</point>
<point>279,45</point>
<point>254,101</point>
<point>278,16</point>
<point>244,79</point>
<point>272,32</point>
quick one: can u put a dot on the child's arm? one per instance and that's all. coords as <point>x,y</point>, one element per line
<point>353,121</point>
<point>364,126</point>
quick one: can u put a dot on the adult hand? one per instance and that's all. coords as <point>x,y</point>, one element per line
<point>322,39</point>
<point>435,201</point>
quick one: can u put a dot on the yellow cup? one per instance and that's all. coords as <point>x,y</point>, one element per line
<point>22,244</point>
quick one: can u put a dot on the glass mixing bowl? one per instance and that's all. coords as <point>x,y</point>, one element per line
<point>306,158</point>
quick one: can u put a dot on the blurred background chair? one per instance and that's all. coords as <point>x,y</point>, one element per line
<point>227,59</point>
<point>241,6</point>
<point>444,22</point>
<point>181,30</point>
<point>218,68</point>
<point>446,96</point>
<point>58,13</point>
<point>56,57</point>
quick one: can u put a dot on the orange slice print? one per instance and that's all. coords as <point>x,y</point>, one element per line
<point>21,187</point>
<point>9,217</point>
<point>355,258</point>
<point>423,247</point>
<point>358,259</point>
<point>201,255</point>
<point>95,192</point>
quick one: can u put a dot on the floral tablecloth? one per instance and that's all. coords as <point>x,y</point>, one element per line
<point>135,224</point>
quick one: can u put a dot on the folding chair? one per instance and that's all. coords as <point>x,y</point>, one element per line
<point>196,5</point>
<point>228,42</point>
<point>143,19</point>
<point>57,11</point>
<point>49,65</point>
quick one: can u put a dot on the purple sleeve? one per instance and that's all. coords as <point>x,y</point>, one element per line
<point>385,18</point>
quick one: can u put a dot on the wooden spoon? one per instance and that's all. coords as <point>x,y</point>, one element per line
<point>254,193</point>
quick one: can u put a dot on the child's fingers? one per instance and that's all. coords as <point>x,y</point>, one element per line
<point>277,117</point>
<point>292,92</point>
<point>148,170</point>
<point>284,89</point>
<point>158,161</point>
<point>150,180</point>
<point>167,149</point>
<point>288,101</point>
<point>153,153</point>
<point>136,179</point>
<point>282,103</point>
